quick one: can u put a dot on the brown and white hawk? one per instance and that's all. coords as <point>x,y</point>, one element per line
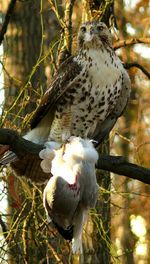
<point>87,95</point>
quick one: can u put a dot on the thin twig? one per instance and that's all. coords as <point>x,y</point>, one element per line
<point>127,42</point>
<point>68,23</point>
<point>65,50</point>
<point>55,254</point>
<point>7,19</point>
<point>137,65</point>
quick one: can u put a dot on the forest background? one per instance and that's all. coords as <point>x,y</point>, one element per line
<point>40,34</point>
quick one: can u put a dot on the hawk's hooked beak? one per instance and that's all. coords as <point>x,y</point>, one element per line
<point>89,34</point>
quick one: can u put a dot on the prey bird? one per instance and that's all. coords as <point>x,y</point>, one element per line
<point>72,190</point>
<point>87,95</point>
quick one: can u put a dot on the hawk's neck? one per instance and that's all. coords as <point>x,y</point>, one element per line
<point>102,65</point>
<point>102,54</point>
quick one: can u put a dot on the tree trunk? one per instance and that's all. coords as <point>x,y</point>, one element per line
<point>22,47</point>
<point>24,78</point>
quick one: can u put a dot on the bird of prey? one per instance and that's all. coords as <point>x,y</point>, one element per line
<point>87,95</point>
<point>72,190</point>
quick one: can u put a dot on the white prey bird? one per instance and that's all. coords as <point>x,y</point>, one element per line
<point>72,190</point>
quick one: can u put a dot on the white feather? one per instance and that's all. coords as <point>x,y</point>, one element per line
<point>47,155</point>
<point>79,148</point>
<point>77,245</point>
<point>66,161</point>
<point>37,135</point>
<point>63,162</point>
<point>46,165</point>
<point>59,167</point>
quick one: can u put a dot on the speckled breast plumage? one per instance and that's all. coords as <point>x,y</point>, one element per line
<point>91,97</point>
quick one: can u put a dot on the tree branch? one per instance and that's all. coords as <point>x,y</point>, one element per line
<point>119,165</point>
<point>135,64</point>
<point>7,19</point>
<point>127,42</point>
<point>65,50</point>
<point>20,146</point>
<point>28,151</point>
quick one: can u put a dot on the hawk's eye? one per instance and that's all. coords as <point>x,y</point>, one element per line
<point>83,29</point>
<point>99,28</point>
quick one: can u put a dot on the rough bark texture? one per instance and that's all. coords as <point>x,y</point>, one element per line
<point>24,78</point>
<point>22,46</point>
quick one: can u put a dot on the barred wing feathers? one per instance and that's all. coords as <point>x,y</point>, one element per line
<point>65,76</point>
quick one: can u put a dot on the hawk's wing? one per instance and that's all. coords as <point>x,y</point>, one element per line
<point>103,129</point>
<point>64,78</point>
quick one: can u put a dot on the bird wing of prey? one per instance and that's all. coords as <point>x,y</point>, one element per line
<point>63,80</point>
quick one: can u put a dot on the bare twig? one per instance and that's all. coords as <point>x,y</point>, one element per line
<point>68,23</point>
<point>7,19</point>
<point>127,42</point>
<point>26,150</point>
<point>53,251</point>
<point>137,65</point>
<point>54,7</point>
<point>65,50</point>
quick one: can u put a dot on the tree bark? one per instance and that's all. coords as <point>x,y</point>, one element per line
<point>24,77</point>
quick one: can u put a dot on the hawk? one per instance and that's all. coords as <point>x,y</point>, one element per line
<point>87,95</point>
<point>73,188</point>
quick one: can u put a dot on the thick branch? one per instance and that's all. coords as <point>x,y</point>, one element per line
<point>7,19</point>
<point>20,146</point>
<point>26,150</point>
<point>135,64</point>
<point>120,166</point>
<point>127,42</point>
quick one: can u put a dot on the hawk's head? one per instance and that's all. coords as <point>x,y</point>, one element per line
<point>94,35</point>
